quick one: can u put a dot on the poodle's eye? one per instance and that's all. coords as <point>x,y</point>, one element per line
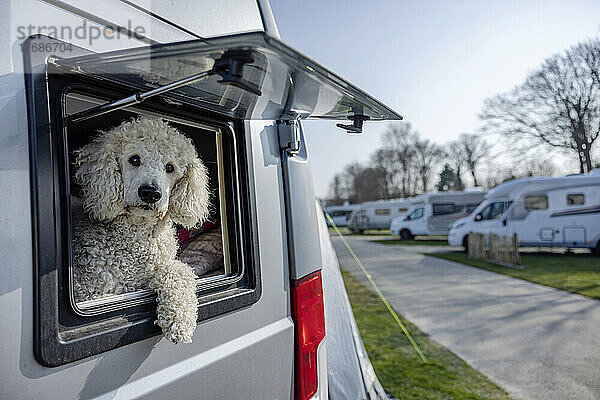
<point>169,168</point>
<point>135,161</point>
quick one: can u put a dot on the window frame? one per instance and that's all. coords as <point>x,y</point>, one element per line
<point>433,209</point>
<point>382,211</point>
<point>61,335</point>
<point>574,203</point>
<point>544,196</point>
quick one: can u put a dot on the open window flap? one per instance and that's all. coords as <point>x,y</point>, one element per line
<point>292,86</point>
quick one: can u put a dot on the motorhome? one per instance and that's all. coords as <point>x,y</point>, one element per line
<point>432,213</point>
<point>377,214</point>
<point>541,211</point>
<point>340,214</point>
<point>219,74</point>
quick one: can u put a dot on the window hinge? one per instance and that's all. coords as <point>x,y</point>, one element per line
<point>289,136</point>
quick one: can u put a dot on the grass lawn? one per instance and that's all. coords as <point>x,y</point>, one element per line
<point>397,364</point>
<point>418,241</point>
<point>574,273</point>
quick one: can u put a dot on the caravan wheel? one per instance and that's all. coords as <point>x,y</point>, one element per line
<point>405,234</point>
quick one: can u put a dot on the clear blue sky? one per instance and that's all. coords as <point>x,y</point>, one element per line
<point>432,61</point>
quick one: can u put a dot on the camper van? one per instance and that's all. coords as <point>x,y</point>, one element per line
<point>541,211</point>
<point>218,73</point>
<point>377,214</point>
<point>433,213</point>
<point>340,214</point>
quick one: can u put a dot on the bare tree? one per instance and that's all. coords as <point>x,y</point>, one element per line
<point>520,169</point>
<point>385,160</point>
<point>456,156</point>
<point>559,105</point>
<point>400,140</point>
<point>427,156</point>
<point>473,149</point>
<point>369,184</point>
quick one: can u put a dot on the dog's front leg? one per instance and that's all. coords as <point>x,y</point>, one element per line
<point>175,284</point>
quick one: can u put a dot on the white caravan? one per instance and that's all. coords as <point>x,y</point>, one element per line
<point>433,213</point>
<point>542,211</point>
<point>377,214</point>
<point>218,72</point>
<point>340,214</point>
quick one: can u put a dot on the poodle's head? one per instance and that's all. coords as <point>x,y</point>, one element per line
<point>145,168</point>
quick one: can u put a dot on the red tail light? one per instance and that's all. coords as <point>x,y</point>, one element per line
<point>309,321</point>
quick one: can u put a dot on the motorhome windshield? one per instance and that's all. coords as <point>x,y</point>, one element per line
<point>416,214</point>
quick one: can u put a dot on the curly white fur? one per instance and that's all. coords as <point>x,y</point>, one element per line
<point>126,244</point>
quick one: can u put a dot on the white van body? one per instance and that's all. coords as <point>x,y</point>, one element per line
<point>432,213</point>
<point>246,339</point>
<point>542,211</point>
<point>340,214</point>
<point>377,214</point>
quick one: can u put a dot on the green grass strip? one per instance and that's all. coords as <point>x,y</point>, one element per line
<point>575,273</point>
<point>381,296</point>
<point>414,242</point>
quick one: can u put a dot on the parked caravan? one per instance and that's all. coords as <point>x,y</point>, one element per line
<point>542,211</point>
<point>232,96</point>
<point>377,214</point>
<point>433,213</point>
<point>340,214</point>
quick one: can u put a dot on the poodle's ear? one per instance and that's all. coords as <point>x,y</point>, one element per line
<point>99,174</point>
<point>189,201</point>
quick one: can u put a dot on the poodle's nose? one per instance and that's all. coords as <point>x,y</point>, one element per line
<point>149,194</point>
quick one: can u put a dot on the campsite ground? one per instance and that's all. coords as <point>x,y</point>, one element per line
<point>398,366</point>
<point>534,341</point>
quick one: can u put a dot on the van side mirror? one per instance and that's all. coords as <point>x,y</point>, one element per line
<point>407,218</point>
<point>504,222</point>
<point>478,217</point>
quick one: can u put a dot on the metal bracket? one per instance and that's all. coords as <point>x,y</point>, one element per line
<point>289,136</point>
<point>357,124</point>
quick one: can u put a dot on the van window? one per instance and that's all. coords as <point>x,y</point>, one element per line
<point>340,213</point>
<point>71,323</point>
<point>443,209</point>
<point>493,211</point>
<point>382,211</point>
<point>575,199</point>
<point>538,202</point>
<point>206,247</point>
<point>418,213</point>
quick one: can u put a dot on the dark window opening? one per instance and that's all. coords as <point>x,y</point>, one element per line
<point>536,202</point>
<point>575,199</point>
<point>443,209</point>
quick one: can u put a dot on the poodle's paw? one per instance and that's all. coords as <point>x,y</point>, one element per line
<point>177,309</point>
<point>178,329</point>
<point>179,334</point>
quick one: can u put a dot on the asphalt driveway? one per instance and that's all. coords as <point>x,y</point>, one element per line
<point>534,341</point>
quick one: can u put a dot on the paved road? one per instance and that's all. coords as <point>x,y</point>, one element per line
<point>534,341</point>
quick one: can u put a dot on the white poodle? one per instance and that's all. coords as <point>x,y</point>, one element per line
<point>137,180</point>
